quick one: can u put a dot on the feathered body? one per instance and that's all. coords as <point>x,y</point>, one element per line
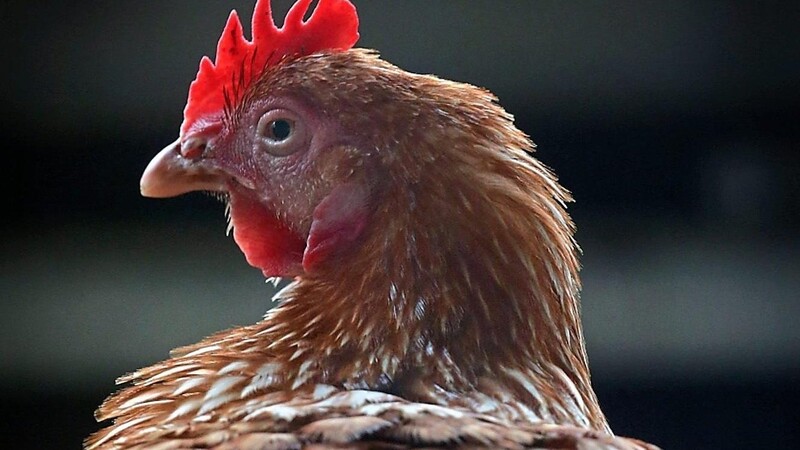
<point>446,314</point>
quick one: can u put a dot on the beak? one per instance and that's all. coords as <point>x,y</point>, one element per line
<point>173,172</point>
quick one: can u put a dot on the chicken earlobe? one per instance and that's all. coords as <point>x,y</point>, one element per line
<point>337,221</point>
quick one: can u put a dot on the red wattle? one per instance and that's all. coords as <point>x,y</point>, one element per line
<point>267,243</point>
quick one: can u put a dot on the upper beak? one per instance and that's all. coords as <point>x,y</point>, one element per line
<point>171,173</point>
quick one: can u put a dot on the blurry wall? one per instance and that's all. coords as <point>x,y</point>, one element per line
<point>673,123</point>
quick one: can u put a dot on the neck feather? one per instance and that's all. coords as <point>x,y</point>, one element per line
<point>467,282</point>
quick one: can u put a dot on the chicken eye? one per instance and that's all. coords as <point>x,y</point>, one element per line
<point>280,133</point>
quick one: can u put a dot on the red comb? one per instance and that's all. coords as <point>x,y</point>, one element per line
<point>332,26</point>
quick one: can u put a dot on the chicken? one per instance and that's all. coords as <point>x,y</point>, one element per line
<point>435,285</point>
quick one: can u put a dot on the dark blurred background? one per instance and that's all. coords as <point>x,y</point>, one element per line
<point>674,124</point>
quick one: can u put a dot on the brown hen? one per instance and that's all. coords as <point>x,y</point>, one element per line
<point>434,300</point>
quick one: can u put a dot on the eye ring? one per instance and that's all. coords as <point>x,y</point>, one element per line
<point>280,132</point>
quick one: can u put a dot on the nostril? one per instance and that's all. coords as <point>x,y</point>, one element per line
<point>193,148</point>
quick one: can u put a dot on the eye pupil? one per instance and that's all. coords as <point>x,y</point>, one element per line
<point>280,129</point>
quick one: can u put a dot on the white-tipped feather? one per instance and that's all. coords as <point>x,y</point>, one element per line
<point>170,372</point>
<point>201,351</point>
<point>147,396</point>
<point>265,377</point>
<point>281,412</point>
<point>221,386</point>
<point>186,408</point>
<point>235,366</point>
<point>214,403</point>
<point>119,429</point>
